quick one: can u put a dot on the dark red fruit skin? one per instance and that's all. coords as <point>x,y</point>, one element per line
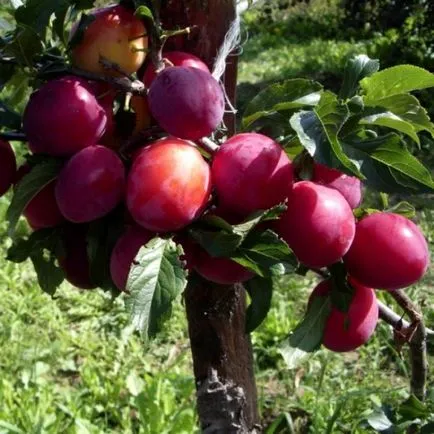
<point>217,270</point>
<point>168,186</point>
<point>389,252</point>
<point>176,58</point>
<point>63,117</point>
<point>318,225</point>
<point>8,166</point>
<point>186,102</point>
<point>90,185</point>
<point>349,186</point>
<point>348,331</point>
<point>75,262</point>
<point>124,252</point>
<point>251,172</point>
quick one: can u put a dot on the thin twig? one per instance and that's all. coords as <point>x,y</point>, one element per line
<point>125,84</point>
<point>416,336</point>
<point>13,136</point>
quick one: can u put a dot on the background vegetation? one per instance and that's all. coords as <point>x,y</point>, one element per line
<point>73,365</point>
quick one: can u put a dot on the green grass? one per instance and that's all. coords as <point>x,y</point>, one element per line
<point>73,364</point>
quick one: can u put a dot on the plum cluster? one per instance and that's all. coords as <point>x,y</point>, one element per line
<point>168,183</point>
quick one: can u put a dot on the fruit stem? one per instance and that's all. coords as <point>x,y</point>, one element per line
<point>208,145</point>
<point>13,136</point>
<point>169,33</point>
<point>416,336</point>
<point>125,84</point>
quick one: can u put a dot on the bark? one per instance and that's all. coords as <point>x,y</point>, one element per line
<point>222,354</point>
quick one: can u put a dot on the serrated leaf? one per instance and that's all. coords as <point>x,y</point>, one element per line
<point>290,94</point>
<point>356,69</point>
<point>266,254</point>
<point>37,13</point>
<point>260,291</point>
<point>405,209</point>
<point>413,408</point>
<point>307,336</point>
<point>318,131</point>
<point>381,118</point>
<point>30,185</point>
<point>394,81</point>
<point>408,108</point>
<point>226,238</point>
<point>39,240</point>
<point>50,276</point>
<point>388,166</point>
<point>154,281</point>
<point>25,45</point>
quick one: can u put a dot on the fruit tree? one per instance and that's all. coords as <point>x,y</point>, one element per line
<point>134,179</point>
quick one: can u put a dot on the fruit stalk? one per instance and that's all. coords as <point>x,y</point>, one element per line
<point>222,355</point>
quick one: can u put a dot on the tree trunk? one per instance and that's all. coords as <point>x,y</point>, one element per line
<point>222,354</point>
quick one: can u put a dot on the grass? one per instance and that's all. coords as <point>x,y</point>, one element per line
<point>73,364</point>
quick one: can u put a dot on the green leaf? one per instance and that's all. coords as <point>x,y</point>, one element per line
<point>342,292</point>
<point>413,408</point>
<point>25,46</point>
<point>388,166</point>
<point>260,291</point>
<point>283,424</point>
<point>356,69</point>
<point>144,12</point>
<point>50,276</point>
<point>266,254</point>
<point>318,132</point>
<point>381,118</point>
<point>394,81</point>
<point>31,184</point>
<point>155,280</point>
<point>405,209</point>
<point>37,13</point>
<point>9,118</point>
<point>38,241</point>
<point>307,336</point>
<point>407,107</point>
<point>290,94</point>
<point>101,239</point>
<point>224,238</point>
<point>78,35</point>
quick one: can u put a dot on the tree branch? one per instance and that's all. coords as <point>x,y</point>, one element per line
<point>16,136</point>
<point>125,84</point>
<point>415,334</point>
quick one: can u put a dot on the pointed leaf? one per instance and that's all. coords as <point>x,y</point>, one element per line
<point>356,69</point>
<point>318,132</point>
<point>50,276</point>
<point>31,184</point>
<point>155,280</point>
<point>307,336</point>
<point>290,94</point>
<point>260,291</point>
<point>266,254</point>
<point>379,421</point>
<point>394,81</point>
<point>388,119</point>
<point>408,108</point>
